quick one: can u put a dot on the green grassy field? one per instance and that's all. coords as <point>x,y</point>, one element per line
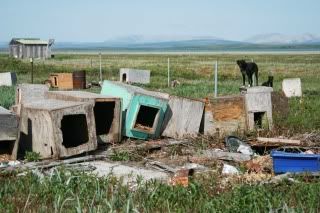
<point>194,71</point>
<point>72,191</point>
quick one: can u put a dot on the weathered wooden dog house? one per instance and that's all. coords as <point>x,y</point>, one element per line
<point>250,110</point>
<point>61,80</point>
<point>57,129</point>
<point>107,112</point>
<point>68,81</point>
<point>8,133</point>
<point>142,111</point>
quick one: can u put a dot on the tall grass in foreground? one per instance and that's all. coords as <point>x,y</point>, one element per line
<point>65,191</point>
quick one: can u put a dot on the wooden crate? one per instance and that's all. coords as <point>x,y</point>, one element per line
<point>62,81</point>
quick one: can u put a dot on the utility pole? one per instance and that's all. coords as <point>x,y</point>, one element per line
<point>216,79</point>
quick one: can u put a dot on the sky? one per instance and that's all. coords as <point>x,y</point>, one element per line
<point>101,20</point>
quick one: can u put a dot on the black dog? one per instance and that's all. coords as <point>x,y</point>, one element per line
<point>268,83</point>
<point>248,69</point>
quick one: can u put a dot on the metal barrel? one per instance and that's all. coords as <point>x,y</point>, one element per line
<point>79,79</point>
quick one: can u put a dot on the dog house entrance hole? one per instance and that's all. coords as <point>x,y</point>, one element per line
<point>55,81</point>
<point>103,114</point>
<point>74,130</point>
<point>147,118</point>
<point>6,147</point>
<point>260,120</point>
<point>124,77</point>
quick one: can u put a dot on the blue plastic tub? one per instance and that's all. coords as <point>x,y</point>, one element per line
<point>295,162</point>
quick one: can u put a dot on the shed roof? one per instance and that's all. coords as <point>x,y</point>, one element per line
<point>29,41</point>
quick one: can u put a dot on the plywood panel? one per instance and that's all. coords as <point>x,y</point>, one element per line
<point>183,117</point>
<point>225,115</point>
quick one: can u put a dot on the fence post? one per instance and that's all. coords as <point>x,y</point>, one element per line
<point>216,79</point>
<point>100,68</point>
<point>168,72</point>
<point>254,79</point>
<point>31,61</point>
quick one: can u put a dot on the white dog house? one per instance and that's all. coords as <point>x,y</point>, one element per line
<point>134,76</point>
<point>8,79</point>
<point>292,87</point>
<point>259,107</point>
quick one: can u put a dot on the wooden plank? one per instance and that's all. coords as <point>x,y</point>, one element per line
<point>225,108</point>
<point>220,155</point>
<point>279,140</point>
<point>46,164</point>
<point>183,117</point>
<point>30,92</point>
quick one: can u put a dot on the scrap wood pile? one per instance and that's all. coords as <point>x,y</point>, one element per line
<point>140,131</point>
<point>231,161</point>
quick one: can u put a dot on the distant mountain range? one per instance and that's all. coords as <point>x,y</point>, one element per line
<point>273,41</point>
<point>276,38</point>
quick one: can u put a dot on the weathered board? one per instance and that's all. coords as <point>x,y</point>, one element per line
<point>8,125</point>
<point>229,156</point>
<point>30,92</point>
<point>225,115</point>
<point>27,93</point>
<point>183,117</point>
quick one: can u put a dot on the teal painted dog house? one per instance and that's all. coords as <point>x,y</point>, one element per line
<point>142,111</point>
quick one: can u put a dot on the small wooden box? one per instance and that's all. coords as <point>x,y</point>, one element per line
<point>61,80</point>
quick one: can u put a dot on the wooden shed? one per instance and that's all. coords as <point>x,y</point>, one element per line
<point>30,48</point>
